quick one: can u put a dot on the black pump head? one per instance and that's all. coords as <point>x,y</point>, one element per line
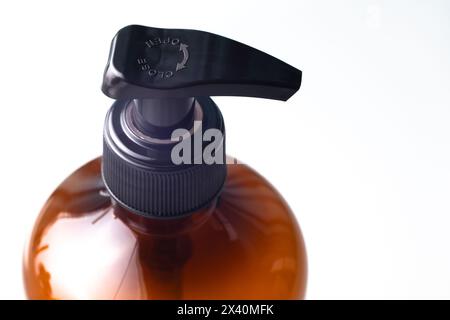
<point>162,80</point>
<point>173,63</point>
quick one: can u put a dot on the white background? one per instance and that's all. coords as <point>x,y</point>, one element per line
<point>361,153</point>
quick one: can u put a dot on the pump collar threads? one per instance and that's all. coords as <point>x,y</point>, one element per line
<point>140,174</point>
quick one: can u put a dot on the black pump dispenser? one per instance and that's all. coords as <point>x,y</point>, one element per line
<point>162,80</point>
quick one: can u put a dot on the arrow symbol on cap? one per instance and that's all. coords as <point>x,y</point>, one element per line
<point>182,64</point>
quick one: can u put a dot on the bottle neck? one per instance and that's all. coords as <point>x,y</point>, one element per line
<point>164,227</point>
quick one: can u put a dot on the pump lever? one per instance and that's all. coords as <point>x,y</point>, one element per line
<point>157,63</point>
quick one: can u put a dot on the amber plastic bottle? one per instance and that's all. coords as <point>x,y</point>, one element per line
<point>245,245</point>
<point>137,223</point>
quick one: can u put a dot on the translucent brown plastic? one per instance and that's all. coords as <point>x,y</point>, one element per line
<point>244,245</point>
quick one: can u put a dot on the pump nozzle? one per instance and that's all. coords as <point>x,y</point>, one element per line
<point>174,63</point>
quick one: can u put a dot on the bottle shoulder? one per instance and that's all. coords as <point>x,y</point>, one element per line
<point>82,247</point>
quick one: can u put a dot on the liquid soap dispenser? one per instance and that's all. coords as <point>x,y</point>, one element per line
<point>164,214</point>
